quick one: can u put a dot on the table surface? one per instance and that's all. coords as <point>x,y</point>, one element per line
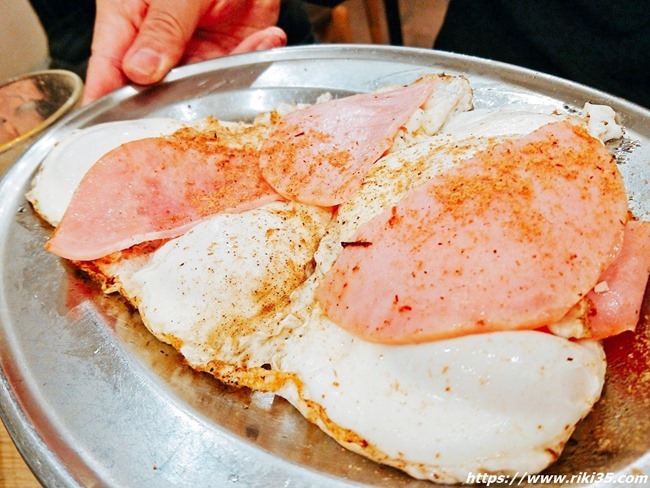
<point>14,473</point>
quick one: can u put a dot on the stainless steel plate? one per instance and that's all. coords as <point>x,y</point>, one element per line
<point>91,398</point>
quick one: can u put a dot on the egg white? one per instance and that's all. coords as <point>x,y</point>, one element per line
<point>220,292</point>
<point>235,295</point>
<point>503,402</point>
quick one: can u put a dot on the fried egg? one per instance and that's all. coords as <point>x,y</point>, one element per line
<point>235,274</point>
<point>235,295</point>
<point>490,403</point>
<point>55,182</point>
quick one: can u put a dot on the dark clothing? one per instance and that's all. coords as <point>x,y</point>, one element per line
<point>600,43</point>
<point>295,21</point>
<point>69,29</point>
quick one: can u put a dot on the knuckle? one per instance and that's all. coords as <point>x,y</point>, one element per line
<point>164,25</point>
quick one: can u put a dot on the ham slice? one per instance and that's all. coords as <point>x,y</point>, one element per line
<point>157,188</point>
<point>320,155</point>
<point>616,300</point>
<point>510,239</point>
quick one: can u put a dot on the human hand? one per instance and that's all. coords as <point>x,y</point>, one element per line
<point>139,41</point>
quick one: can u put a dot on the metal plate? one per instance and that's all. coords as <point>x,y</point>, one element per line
<point>91,398</point>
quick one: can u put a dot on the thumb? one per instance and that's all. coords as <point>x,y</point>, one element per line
<point>161,40</point>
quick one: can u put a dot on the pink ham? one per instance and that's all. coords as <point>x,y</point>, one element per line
<point>321,154</point>
<point>156,188</point>
<point>511,239</point>
<point>616,300</point>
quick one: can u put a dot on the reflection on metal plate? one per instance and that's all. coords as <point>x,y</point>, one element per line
<point>91,398</point>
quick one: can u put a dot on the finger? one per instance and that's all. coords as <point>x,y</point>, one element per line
<point>268,38</point>
<point>102,77</point>
<point>160,43</point>
<point>112,36</point>
<point>265,39</point>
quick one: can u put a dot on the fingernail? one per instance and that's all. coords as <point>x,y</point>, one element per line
<point>146,62</point>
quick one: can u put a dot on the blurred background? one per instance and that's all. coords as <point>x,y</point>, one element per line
<point>420,21</point>
<point>23,40</point>
<point>25,49</point>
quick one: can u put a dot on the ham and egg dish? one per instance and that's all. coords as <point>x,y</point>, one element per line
<point>426,282</point>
